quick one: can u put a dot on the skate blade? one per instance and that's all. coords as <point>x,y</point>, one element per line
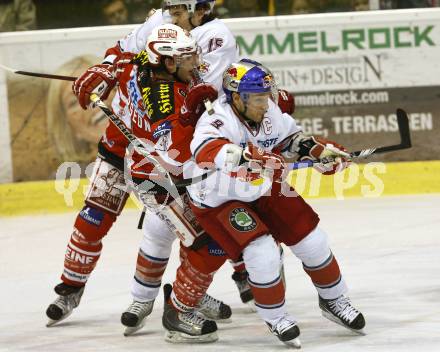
<point>337,321</point>
<point>52,322</point>
<point>221,321</point>
<point>181,337</point>
<point>295,343</point>
<point>130,330</point>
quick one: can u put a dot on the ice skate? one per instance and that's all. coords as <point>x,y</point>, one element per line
<point>240,279</point>
<point>186,327</point>
<point>135,315</point>
<point>341,311</point>
<point>287,330</point>
<point>68,299</point>
<point>213,309</point>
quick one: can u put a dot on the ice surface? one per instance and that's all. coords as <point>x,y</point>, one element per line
<point>388,249</point>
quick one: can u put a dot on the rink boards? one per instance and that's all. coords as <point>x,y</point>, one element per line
<point>371,180</point>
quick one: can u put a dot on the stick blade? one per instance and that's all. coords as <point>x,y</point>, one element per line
<point>405,138</point>
<point>403,123</point>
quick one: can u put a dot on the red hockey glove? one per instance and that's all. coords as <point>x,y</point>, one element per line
<point>286,101</point>
<point>317,148</point>
<point>258,158</point>
<point>99,79</point>
<point>193,106</point>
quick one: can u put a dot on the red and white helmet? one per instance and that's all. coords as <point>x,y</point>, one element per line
<point>171,41</point>
<point>190,4</point>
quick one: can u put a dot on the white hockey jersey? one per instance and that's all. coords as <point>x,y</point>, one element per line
<point>218,45</point>
<point>215,131</point>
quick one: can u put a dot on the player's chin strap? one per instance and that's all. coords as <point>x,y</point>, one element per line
<point>405,143</point>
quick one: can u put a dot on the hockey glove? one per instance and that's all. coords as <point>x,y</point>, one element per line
<point>286,101</point>
<point>193,106</point>
<point>99,79</point>
<point>334,156</point>
<point>259,159</point>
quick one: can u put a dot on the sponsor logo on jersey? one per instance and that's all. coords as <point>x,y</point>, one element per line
<point>241,220</point>
<point>141,58</point>
<point>268,142</point>
<point>264,143</point>
<point>92,216</point>
<point>159,101</point>
<point>217,124</point>
<point>161,130</point>
<point>135,95</point>
<point>203,68</point>
<point>164,101</point>
<point>215,250</point>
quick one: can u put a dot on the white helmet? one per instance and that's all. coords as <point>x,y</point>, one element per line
<point>169,40</point>
<point>190,4</point>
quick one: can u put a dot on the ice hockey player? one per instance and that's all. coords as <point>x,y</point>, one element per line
<point>80,256</point>
<point>158,81</point>
<point>245,207</point>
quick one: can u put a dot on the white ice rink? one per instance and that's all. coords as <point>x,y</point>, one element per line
<point>388,249</point>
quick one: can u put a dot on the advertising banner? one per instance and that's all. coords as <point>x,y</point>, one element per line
<point>349,72</point>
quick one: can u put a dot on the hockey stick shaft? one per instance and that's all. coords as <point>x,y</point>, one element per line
<point>39,75</point>
<point>405,143</point>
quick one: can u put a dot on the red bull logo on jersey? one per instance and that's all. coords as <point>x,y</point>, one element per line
<point>203,68</point>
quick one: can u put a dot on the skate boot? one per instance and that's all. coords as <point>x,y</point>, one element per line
<point>213,309</point>
<point>240,279</point>
<point>68,299</point>
<point>134,316</point>
<point>185,327</point>
<point>287,330</point>
<point>341,311</point>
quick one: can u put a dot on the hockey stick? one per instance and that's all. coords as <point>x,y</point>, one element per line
<point>144,150</point>
<point>40,75</point>
<point>405,143</point>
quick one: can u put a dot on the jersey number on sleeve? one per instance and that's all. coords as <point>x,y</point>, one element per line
<point>214,44</point>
